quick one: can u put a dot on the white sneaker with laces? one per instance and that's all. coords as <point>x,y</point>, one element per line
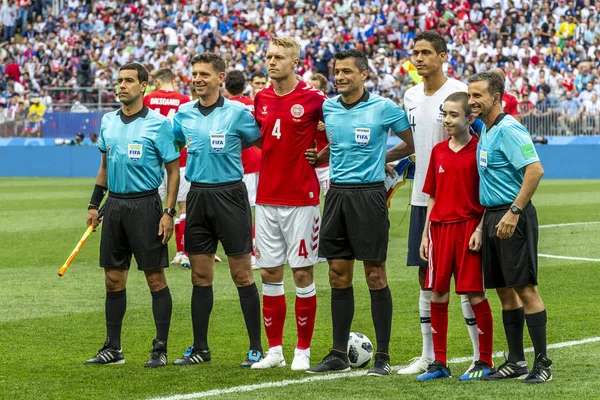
<point>273,359</point>
<point>301,360</point>
<point>177,258</point>
<point>418,365</point>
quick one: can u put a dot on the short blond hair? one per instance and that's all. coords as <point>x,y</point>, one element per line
<point>288,43</point>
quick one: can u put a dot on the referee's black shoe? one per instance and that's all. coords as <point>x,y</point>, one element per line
<point>254,356</point>
<point>335,361</point>
<point>158,354</point>
<point>541,371</point>
<point>509,370</point>
<point>381,366</point>
<point>193,356</point>
<point>107,356</point>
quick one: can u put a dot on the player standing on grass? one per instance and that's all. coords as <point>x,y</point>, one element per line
<point>166,101</point>
<point>510,172</point>
<point>423,104</point>
<point>214,129</point>
<point>318,81</point>
<point>287,210</point>
<point>452,237</point>
<point>355,218</point>
<point>136,143</point>
<point>235,84</point>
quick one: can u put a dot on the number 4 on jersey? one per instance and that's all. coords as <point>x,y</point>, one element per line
<point>277,129</point>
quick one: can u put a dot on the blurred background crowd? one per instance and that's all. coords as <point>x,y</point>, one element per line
<point>64,55</point>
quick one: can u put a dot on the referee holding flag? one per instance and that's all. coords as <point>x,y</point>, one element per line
<point>135,143</point>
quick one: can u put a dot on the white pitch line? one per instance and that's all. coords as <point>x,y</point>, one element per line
<point>329,377</point>
<point>569,258</point>
<point>569,224</point>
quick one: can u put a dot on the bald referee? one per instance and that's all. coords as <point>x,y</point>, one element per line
<point>355,218</point>
<point>136,143</point>
<point>218,209</point>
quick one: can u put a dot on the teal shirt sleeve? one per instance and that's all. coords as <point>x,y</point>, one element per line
<point>394,118</point>
<point>101,141</point>
<point>165,142</point>
<point>246,126</point>
<point>517,147</point>
<point>177,132</point>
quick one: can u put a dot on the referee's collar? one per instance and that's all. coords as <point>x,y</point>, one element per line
<point>498,119</point>
<point>127,119</point>
<point>363,99</point>
<point>207,110</point>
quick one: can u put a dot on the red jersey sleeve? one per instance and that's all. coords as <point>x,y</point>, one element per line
<point>511,105</point>
<point>430,184</point>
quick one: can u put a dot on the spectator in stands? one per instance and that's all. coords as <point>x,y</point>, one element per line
<point>94,139</point>
<point>78,107</point>
<point>591,113</point>
<point>570,110</point>
<point>79,139</point>
<point>8,17</point>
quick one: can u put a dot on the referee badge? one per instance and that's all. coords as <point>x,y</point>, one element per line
<point>362,136</point>
<point>135,151</point>
<point>483,160</point>
<point>217,142</point>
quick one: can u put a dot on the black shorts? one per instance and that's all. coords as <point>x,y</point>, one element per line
<point>510,262</point>
<point>355,223</point>
<point>130,226</point>
<point>218,212</point>
<point>418,215</point>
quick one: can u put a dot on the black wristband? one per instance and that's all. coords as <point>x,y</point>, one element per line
<point>98,195</point>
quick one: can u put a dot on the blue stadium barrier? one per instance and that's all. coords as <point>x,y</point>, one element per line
<point>40,157</point>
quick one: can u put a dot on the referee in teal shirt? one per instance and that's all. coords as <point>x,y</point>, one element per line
<point>510,171</point>
<point>214,130</point>
<point>355,218</point>
<point>136,144</point>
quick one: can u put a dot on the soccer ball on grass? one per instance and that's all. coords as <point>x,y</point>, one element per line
<point>360,350</point>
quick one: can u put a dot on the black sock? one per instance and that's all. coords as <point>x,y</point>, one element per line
<point>162,307</point>
<point>250,302</point>
<point>115,306</point>
<point>381,312</point>
<point>342,313</point>
<point>514,322</point>
<point>202,304</point>
<point>536,324</point>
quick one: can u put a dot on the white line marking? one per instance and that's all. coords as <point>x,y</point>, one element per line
<point>329,377</point>
<point>570,258</point>
<point>569,224</point>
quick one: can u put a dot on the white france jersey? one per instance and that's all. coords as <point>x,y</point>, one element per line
<point>425,117</point>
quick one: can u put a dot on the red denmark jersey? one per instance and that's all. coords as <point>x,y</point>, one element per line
<point>288,125</point>
<point>510,104</point>
<point>250,156</point>
<point>453,179</point>
<point>167,102</point>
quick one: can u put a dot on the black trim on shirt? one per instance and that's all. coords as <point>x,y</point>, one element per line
<point>127,119</point>
<point>498,119</point>
<point>207,110</point>
<point>364,98</point>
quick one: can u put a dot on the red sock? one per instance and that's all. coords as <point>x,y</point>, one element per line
<point>485,323</point>
<point>306,312</point>
<point>178,234</point>
<point>274,310</point>
<point>182,234</point>
<point>439,330</point>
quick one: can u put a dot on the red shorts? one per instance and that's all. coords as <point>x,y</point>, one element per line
<point>449,255</point>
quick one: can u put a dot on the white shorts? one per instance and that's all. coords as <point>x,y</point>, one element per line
<point>323,175</point>
<point>184,187</point>
<point>287,234</point>
<point>251,181</point>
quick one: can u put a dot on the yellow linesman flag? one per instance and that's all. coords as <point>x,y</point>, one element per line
<point>412,72</point>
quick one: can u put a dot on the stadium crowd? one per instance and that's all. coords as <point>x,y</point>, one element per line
<point>550,50</point>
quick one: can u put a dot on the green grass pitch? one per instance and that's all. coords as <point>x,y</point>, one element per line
<point>49,325</point>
